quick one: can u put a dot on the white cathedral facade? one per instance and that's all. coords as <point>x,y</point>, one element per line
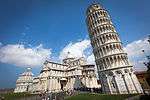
<point>72,74</point>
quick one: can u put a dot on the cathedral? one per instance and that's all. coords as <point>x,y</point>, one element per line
<point>114,69</point>
<point>73,73</point>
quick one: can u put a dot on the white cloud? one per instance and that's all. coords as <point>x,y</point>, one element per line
<point>22,56</point>
<point>91,59</point>
<point>135,54</point>
<point>76,49</point>
<point>79,49</point>
<point>133,49</point>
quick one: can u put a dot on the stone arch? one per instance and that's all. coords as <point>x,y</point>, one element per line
<point>101,53</point>
<point>100,42</point>
<point>116,38</point>
<point>112,28</point>
<point>111,47</point>
<point>103,48</point>
<point>92,25</point>
<point>107,48</point>
<point>94,31</point>
<point>105,19</point>
<point>108,62</point>
<point>103,28</point>
<point>101,13</point>
<point>98,13</point>
<point>105,14</point>
<point>104,64</point>
<point>119,47</point>
<point>118,72</point>
<point>110,35</point>
<point>93,15</point>
<point>103,38</point>
<point>115,59</point>
<point>131,69</point>
<point>126,61</point>
<point>126,70</point>
<point>107,28</point>
<point>113,37</point>
<point>107,37</point>
<point>100,29</point>
<point>119,60</point>
<point>110,73</point>
<point>123,60</point>
<point>111,60</point>
<point>100,20</point>
<point>114,46</point>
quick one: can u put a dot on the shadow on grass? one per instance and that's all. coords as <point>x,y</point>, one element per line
<point>13,96</point>
<point>89,96</point>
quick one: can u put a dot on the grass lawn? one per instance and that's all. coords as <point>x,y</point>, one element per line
<point>89,96</point>
<point>14,96</point>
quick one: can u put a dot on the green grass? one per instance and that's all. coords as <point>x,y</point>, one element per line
<point>14,96</point>
<point>89,96</point>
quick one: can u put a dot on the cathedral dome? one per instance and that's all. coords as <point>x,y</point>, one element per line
<point>27,76</point>
<point>69,57</point>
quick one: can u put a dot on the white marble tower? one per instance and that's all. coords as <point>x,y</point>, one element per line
<point>114,70</point>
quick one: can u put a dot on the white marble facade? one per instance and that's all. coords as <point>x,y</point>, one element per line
<point>114,70</point>
<point>54,77</point>
<point>24,81</point>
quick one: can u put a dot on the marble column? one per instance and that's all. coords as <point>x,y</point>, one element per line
<point>125,83</point>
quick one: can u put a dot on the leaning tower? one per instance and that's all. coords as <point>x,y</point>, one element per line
<point>114,70</point>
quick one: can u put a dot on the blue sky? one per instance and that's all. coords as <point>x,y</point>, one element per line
<point>53,26</point>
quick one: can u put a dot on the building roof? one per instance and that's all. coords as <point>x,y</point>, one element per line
<point>54,63</point>
<point>26,76</point>
<point>27,72</point>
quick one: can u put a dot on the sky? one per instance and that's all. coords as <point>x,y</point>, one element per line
<point>32,31</point>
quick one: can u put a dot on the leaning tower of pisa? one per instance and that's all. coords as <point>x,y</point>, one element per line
<point>114,70</point>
